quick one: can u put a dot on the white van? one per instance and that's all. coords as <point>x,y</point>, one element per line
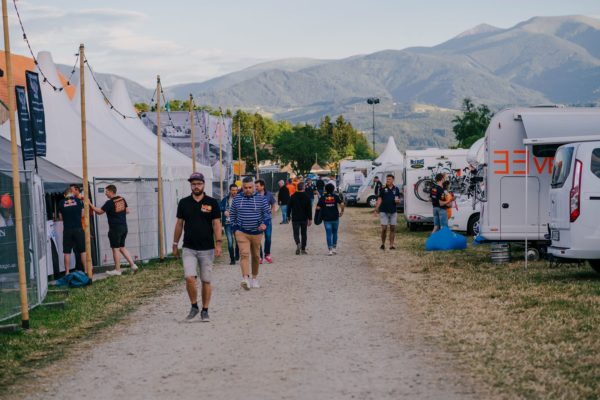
<point>421,164</point>
<point>366,193</point>
<point>520,145</point>
<point>575,203</point>
<point>465,215</point>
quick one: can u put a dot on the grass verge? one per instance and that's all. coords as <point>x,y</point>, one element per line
<point>87,311</point>
<point>523,333</point>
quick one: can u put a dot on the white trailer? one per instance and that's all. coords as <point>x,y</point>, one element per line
<point>366,193</point>
<point>422,164</point>
<point>520,145</point>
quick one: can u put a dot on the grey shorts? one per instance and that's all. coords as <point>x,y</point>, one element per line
<point>194,258</point>
<point>388,218</point>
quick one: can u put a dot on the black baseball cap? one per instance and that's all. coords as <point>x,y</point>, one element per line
<point>196,176</point>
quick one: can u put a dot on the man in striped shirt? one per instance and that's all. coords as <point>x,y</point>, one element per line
<point>250,213</point>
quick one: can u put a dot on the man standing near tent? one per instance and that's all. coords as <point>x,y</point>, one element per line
<point>283,197</point>
<point>250,215</point>
<point>199,218</point>
<point>387,201</point>
<point>300,212</point>
<point>116,211</point>
<point>376,186</point>
<point>71,211</point>
<point>261,188</point>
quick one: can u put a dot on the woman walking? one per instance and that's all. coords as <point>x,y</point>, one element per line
<point>330,214</point>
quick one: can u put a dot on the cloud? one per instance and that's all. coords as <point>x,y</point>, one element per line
<point>116,42</point>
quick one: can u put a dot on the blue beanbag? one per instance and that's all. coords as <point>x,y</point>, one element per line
<point>444,240</point>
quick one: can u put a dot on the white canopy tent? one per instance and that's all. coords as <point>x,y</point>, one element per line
<point>390,155</point>
<point>476,153</point>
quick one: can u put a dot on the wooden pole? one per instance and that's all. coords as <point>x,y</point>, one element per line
<point>16,179</point>
<point>161,239</point>
<point>192,132</point>
<point>255,153</point>
<point>240,145</point>
<point>220,133</point>
<point>86,197</point>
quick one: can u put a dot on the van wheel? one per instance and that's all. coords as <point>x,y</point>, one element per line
<point>533,254</point>
<point>372,201</point>
<point>473,225</point>
<point>595,264</point>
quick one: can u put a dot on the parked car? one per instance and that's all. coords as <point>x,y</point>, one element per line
<point>350,195</point>
<point>575,203</point>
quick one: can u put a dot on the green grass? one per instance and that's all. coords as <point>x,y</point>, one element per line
<point>523,332</point>
<point>87,311</point>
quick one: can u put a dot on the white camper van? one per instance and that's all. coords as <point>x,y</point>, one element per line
<point>520,148</point>
<point>425,164</point>
<point>366,193</point>
<point>575,203</point>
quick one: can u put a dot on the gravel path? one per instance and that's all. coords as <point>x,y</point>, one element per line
<point>319,328</point>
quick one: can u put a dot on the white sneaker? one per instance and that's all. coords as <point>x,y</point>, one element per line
<point>330,253</point>
<point>114,272</point>
<point>254,283</point>
<point>245,284</point>
<point>134,268</point>
<point>334,250</point>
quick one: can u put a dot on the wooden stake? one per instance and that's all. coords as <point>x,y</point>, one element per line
<point>220,133</point>
<point>15,173</point>
<point>240,145</point>
<point>86,197</point>
<point>161,239</point>
<point>255,153</point>
<point>192,132</point>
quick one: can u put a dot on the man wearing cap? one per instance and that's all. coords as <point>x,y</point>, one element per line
<point>71,211</point>
<point>199,218</point>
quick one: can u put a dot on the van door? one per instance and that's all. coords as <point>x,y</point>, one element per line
<point>512,203</point>
<point>560,187</point>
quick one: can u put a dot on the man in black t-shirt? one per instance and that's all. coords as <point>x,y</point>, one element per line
<point>377,185</point>
<point>387,201</point>
<point>440,216</point>
<point>330,214</point>
<point>199,218</point>
<point>116,210</point>
<point>320,186</point>
<point>71,211</point>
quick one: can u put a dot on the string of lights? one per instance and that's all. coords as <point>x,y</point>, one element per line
<point>112,107</point>
<point>56,87</point>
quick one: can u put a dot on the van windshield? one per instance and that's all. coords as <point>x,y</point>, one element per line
<point>562,166</point>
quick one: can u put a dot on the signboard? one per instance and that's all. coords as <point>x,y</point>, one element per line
<point>27,141</point>
<point>36,111</point>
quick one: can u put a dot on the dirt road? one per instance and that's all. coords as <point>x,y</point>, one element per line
<point>319,328</point>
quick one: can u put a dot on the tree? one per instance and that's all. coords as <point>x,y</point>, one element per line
<point>142,107</point>
<point>471,126</point>
<point>301,146</point>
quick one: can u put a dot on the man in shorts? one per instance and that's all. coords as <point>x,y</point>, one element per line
<point>116,211</point>
<point>440,216</point>
<point>71,211</point>
<point>199,218</point>
<point>387,201</point>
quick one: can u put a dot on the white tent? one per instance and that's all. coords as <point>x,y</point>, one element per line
<point>390,155</point>
<point>476,153</point>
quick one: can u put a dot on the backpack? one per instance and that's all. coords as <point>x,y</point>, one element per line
<point>74,279</point>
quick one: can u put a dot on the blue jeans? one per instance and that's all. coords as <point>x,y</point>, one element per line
<point>284,213</point>
<point>331,230</point>
<point>440,217</point>
<point>268,233</point>
<point>234,251</point>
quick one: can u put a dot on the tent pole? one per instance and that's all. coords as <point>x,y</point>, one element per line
<point>86,186</point>
<point>192,133</point>
<point>255,153</point>
<point>220,133</point>
<point>161,239</point>
<point>16,179</point>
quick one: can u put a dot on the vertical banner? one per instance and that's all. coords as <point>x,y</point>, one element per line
<point>27,141</point>
<point>36,110</point>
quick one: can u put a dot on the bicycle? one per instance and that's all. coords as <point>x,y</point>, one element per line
<point>423,186</point>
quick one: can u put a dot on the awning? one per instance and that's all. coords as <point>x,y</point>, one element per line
<point>556,126</point>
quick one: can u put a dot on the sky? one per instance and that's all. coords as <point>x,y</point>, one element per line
<point>195,40</point>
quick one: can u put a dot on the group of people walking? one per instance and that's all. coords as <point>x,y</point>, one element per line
<point>246,218</point>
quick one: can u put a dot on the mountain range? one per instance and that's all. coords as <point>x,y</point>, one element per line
<point>539,61</point>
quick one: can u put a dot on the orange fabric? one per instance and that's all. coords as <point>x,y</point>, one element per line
<point>291,188</point>
<point>21,64</point>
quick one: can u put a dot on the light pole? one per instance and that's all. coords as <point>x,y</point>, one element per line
<point>373,101</point>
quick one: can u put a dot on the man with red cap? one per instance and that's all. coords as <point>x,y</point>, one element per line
<point>199,218</point>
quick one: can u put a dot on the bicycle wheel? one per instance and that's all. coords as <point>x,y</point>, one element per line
<point>423,189</point>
